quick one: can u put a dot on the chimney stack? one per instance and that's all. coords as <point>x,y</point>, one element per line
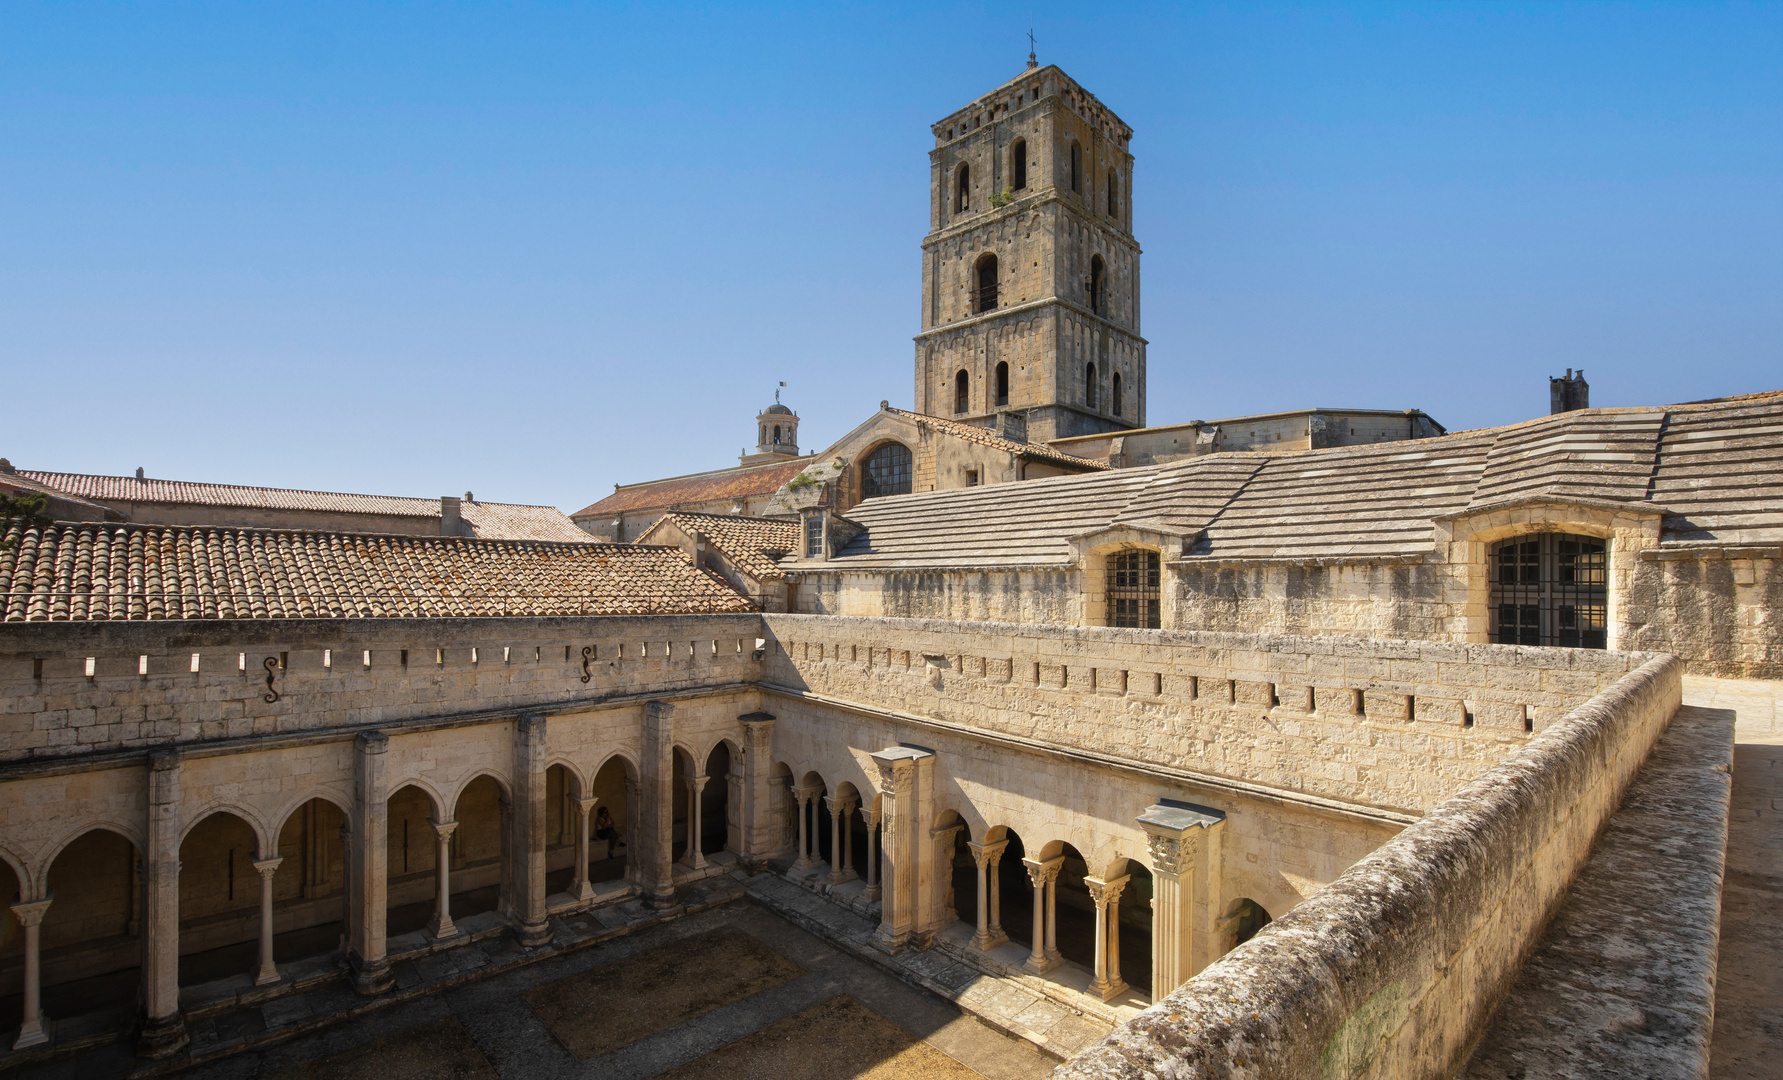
<point>451,524</point>
<point>1568,393</point>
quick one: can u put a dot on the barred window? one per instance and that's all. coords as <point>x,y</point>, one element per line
<point>814,536</point>
<point>1133,589</point>
<point>886,471</point>
<point>1550,589</point>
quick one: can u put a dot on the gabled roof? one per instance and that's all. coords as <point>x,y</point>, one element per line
<point>1714,470</point>
<point>74,572</point>
<point>986,437</point>
<point>752,544</point>
<point>489,521</point>
<point>719,485</point>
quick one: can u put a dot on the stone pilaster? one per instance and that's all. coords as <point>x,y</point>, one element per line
<point>756,807</point>
<point>369,852</point>
<point>1180,846</point>
<point>163,1028</point>
<point>654,851</point>
<point>906,882</point>
<point>526,846</point>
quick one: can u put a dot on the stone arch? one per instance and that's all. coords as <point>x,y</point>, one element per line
<point>340,802</point>
<point>20,872</point>
<point>571,772</point>
<point>438,804</point>
<point>1245,917</point>
<point>264,839</point>
<point>1131,919</point>
<point>54,850</point>
<point>309,886</point>
<point>500,781</point>
<point>612,785</point>
<point>95,916</point>
<point>219,895</point>
<point>886,468</point>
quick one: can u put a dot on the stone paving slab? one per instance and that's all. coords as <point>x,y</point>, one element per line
<point>1005,1005</point>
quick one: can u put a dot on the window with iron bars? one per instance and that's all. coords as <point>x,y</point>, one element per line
<point>1133,589</point>
<point>1550,589</point>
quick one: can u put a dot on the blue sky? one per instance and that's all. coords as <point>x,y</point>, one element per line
<point>534,250</point>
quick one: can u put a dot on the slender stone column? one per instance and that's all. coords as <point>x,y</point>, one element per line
<point>1036,961</point>
<point>1106,896</point>
<point>526,848</point>
<point>848,839</point>
<point>990,923</point>
<point>30,916</point>
<point>805,862</point>
<point>269,972</point>
<point>368,879</point>
<point>440,926</point>
<point>695,823</point>
<point>871,817</point>
<point>837,808</point>
<point>1053,957</point>
<point>163,1029</point>
<point>654,851</point>
<point>580,888</point>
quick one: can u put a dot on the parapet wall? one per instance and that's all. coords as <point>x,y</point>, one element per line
<point>72,689</point>
<point>1392,971</point>
<point>1395,724</point>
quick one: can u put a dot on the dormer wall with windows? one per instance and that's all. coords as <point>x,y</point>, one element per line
<point>1030,264</point>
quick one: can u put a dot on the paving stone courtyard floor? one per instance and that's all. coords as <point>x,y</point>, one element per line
<point>734,991</point>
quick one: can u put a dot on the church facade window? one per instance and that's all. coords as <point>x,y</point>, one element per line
<point>1089,385</point>
<point>1550,589</point>
<point>1098,283</point>
<point>962,189</point>
<point>1018,165</point>
<point>962,392</point>
<point>1003,382</point>
<point>984,296</point>
<point>1114,393</point>
<point>886,471</point>
<point>1133,589</point>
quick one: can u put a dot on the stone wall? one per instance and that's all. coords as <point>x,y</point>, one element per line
<point>1383,974</point>
<point>1392,724</point>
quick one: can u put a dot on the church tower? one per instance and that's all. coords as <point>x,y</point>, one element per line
<point>1030,271</point>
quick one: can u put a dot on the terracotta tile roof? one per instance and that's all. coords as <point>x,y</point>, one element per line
<point>490,521</point>
<point>752,544</point>
<point>74,572</point>
<point>719,485</point>
<point>985,437</point>
<point>12,483</point>
<point>1715,468</point>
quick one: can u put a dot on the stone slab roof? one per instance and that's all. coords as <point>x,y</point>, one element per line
<point>986,437</point>
<point>489,521</point>
<point>752,544</point>
<point>1715,469</point>
<point>74,572</point>
<point>741,482</point>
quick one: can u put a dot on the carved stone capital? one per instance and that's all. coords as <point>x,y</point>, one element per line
<point>1040,873</point>
<point>31,913</point>
<point>987,855</point>
<point>443,829</point>
<point>268,867</point>
<point>1106,892</point>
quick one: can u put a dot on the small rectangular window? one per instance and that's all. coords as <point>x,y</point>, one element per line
<point>142,665</point>
<point>92,666</point>
<point>365,661</point>
<point>328,659</point>
<point>194,661</point>
<point>814,537</point>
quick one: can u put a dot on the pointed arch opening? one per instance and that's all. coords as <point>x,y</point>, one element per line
<point>1089,385</point>
<point>1098,283</point>
<point>1115,402</point>
<point>962,391</point>
<point>90,949</point>
<point>1018,164</point>
<point>1002,382</point>
<point>219,899</point>
<point>962,189</point>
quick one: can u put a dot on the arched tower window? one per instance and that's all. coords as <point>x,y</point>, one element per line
<point>1114,196</point>
<point>1076,167</point>
<point>984,297</point>
<point>1133,589</point>
<point>886,471</point>
<point>1089,385</point>
<point>1114,393</point>
<point>962,189</point>
<point>1018,164</point>
<point>1550,589</point>
<point>1003,382</point>
<point>1097,275</point>
<point>962,391</point>
<point>776,433</point>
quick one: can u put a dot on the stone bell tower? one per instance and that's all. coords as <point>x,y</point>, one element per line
<point>1030,273</point>
<point>777,434</point>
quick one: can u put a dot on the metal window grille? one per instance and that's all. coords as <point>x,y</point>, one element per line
<point>886,471</point>
<point>1550,589</point>
<point>1133,589</point>
<point>814,537</point>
